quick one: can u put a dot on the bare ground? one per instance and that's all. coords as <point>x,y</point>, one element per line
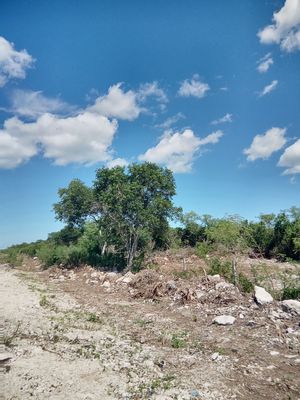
<point>73,336</point>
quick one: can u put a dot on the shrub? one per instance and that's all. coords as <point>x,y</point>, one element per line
<point>245,285</point>
<point>203,249</point>
<point>221,268</point>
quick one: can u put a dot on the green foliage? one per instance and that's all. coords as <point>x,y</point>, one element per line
<point>245,284</point>
<point>228,234</point>
<point>178,340</point>
<point>131,209</point>
<point>223,268</point>
<point>203,249</point>
<point>75,203</point>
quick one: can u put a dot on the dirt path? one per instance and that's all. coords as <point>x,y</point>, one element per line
<point>70,340</point>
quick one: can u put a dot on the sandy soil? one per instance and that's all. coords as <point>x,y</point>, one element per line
<point>70,336</point>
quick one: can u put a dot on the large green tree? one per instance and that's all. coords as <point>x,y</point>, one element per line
<point>131,206</point>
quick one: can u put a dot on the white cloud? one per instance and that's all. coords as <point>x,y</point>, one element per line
<point>178,150</point>
<point>34,104</point>
<point>265,63</point>
<point>14,151</point>
<point>226,118</point>
<point>269,88</point>
<point>117,104</point>
<point>85,139</point>
<point>263,146</point>
<point>13,63</point>
<point>193,87</point>
<point>117,162</point>
<point>285,30</point>
<point>290,159</point>
<point>152,89</point>
<point>170,121</point>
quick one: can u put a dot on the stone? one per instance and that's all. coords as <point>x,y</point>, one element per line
<point>215,356</point>
<point>224,320</point>
<point>214,278</point>
<point>5,356</point>
<point>274,353</point>
<point>291,306</point>
<point>94,274</point>
<point>106,284</point>
<point>171,285</point>
<point>261,296</point>
<point>224,285</point>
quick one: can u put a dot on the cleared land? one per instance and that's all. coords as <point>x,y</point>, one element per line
<point>83,334</point>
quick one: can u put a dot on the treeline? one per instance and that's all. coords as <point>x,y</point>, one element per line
<point>126,214</point>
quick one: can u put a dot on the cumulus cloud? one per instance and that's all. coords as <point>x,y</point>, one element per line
<point>13,63</point>
<point>85,139</point>
<point>290,159</point>
<point>269,88</point>
<point>285,29</point>
<point>178,150</point>
<point>193,87</point>
<point>33,104</point>
<point>263,146</point>
<point>117,162</point>
<point>265,63</point>
<point>117,104</point>
<point>226,118</point>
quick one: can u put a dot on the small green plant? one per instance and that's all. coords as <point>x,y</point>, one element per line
<point>221,268</point>
<point>92,317</point>
<point>43,301</point>
<point>178,340</point>
<point>245,285</point>
<point>203,249</point>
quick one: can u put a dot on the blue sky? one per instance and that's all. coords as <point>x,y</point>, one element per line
<point>210,89</point>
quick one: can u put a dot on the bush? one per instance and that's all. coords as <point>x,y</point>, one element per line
<point>221,268</point>
<point>245,285</point>
<point>203,249</point>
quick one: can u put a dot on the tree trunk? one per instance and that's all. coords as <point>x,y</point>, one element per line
<point>234,273</point>
<point>131,251</point>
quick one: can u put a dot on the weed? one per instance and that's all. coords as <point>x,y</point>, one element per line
<point>43,301</point>
<point>92,317</point>
<point>8,339</point>
<point>178,340</point>
<point>141,322</point>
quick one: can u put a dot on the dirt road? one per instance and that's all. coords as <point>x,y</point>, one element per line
<point>69,340</point>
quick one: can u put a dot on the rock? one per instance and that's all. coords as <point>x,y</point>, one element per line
<point>274,353</point>
<point>5,356</point>
<point>214,278</point>
<point>94,275</point>
<point>291,306</point>
<point>195,394</point>
<point>128,277</point>
<point>261,296</point>
<point>171,285</point>
<point>106,284</point>
<point>224,320</point>
<point>61,278</point>
<point>215,356</point>
<point>224,285</point>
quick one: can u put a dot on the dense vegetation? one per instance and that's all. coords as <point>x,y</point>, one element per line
<point>126,213</point>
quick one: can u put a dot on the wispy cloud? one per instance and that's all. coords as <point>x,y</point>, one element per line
<point>13,63</point>
<point>265,63</point>
<point>263,146</point>
<point>285,29</point>
<point>269,88</point>
<point>178,150</point>
<point>170,121</point>
<point>193,88</point>
<point>226,118</point>
<point>33,104</point>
